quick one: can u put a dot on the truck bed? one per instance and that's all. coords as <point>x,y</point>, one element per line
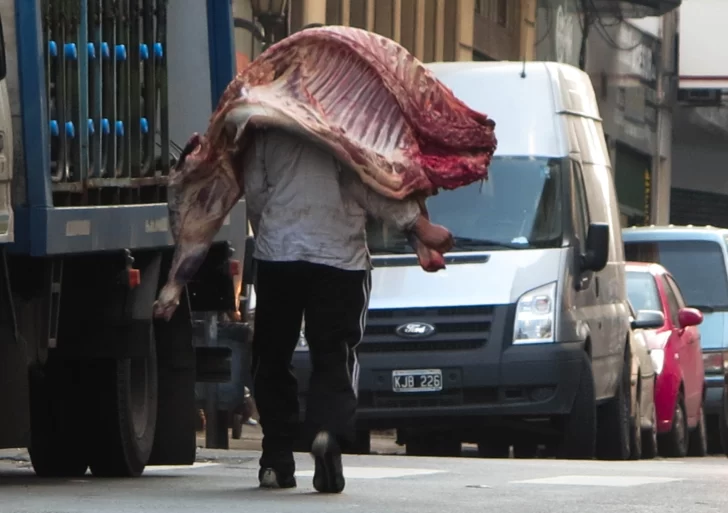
<point>106,104</point>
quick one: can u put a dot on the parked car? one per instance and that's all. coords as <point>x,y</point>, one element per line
<point>643,421</point>
<point>697,256</point>
<point>676,351</point>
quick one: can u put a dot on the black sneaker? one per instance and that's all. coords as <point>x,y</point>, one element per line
<point>329,474</point>
<point>270,478</point>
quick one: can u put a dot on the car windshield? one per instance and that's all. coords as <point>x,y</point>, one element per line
<point>697,266</point>
<point>642,291</point>
<point>519,206</point>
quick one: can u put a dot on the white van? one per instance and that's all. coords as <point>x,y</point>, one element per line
<point>523,339</point>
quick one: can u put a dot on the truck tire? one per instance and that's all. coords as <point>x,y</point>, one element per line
<point>614,422</point>
<point>578,439</point>
<point>56,439</point>
<point>126,414</point>
<point>674,443</point>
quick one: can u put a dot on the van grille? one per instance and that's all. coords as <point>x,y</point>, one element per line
<point>456,328</point>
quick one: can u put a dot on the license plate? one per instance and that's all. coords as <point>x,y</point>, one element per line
<point>421,380</point>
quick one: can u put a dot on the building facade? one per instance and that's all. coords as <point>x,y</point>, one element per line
<point>432,30</point>
<point>629,62</point>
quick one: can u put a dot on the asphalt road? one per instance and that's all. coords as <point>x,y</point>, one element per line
<point>226,481</point>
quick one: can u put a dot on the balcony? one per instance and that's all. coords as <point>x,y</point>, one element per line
<point>635,8</point>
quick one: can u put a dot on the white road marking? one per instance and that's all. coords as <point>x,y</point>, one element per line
<point>196,465</point>
<point>618,481</point>
<point>376,472</point>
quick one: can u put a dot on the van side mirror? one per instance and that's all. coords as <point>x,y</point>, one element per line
<point>648,320</point>
<point>597,247</point>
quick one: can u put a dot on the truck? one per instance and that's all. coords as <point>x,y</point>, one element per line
<point>96,99</point>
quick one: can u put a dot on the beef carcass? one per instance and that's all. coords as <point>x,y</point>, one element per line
<point>360,95</point>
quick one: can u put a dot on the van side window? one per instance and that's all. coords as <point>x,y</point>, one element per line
<point>671,301</point>
<point>579,204</point>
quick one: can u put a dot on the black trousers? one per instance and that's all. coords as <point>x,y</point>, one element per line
<point>334,304</point>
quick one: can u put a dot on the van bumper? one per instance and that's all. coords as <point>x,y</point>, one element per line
<point>521,382</point>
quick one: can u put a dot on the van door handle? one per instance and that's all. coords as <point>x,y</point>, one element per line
<point>596,285</point>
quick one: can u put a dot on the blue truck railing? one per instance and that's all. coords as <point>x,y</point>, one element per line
<point>97,153</point>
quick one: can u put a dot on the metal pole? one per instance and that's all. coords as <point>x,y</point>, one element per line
<point>216,433</point>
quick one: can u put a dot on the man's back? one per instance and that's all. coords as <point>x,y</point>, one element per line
<point>297,206</point>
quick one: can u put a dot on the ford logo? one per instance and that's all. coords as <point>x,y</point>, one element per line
<point>415,329</point>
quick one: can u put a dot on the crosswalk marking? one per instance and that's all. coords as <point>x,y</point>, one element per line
<point>376,472</point>
<point>617,481</point>
<point>196,465</point>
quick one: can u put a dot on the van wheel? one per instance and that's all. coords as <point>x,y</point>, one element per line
<point>362,444</point>
<point>578,439</point>
<point>126,414</point>
<point>674,444</point>
<point>635,433</point>
<point>698,442</point>
<point>613,427</point>
<point>649,437</point>
<point>494,449</point>
<point>525,450</point>
<point>433,444</point>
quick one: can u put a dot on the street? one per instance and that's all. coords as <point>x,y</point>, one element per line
<point>226,481</point>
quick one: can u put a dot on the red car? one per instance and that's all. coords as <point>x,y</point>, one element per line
<point>677,356</point>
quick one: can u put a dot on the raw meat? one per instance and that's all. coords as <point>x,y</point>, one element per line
<point>360,95</point>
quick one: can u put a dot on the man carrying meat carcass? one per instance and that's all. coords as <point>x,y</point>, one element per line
<point>308,213</point>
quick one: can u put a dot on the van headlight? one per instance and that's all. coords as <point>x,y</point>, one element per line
<point>302,344</point>
<point>658,359</point>
<point>535,316</point>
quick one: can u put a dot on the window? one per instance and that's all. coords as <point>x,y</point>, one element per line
<point>518,207</point>
<point>579,205</point>
<point>3,63</point>
<point>671,302</point>
<point>642,291</point>
<point>502,13</point>
<point>697,265</point>
<point>676,291</point>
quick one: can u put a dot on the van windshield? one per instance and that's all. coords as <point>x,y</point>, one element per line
<point>697,266</point>
<point>519,206</point>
